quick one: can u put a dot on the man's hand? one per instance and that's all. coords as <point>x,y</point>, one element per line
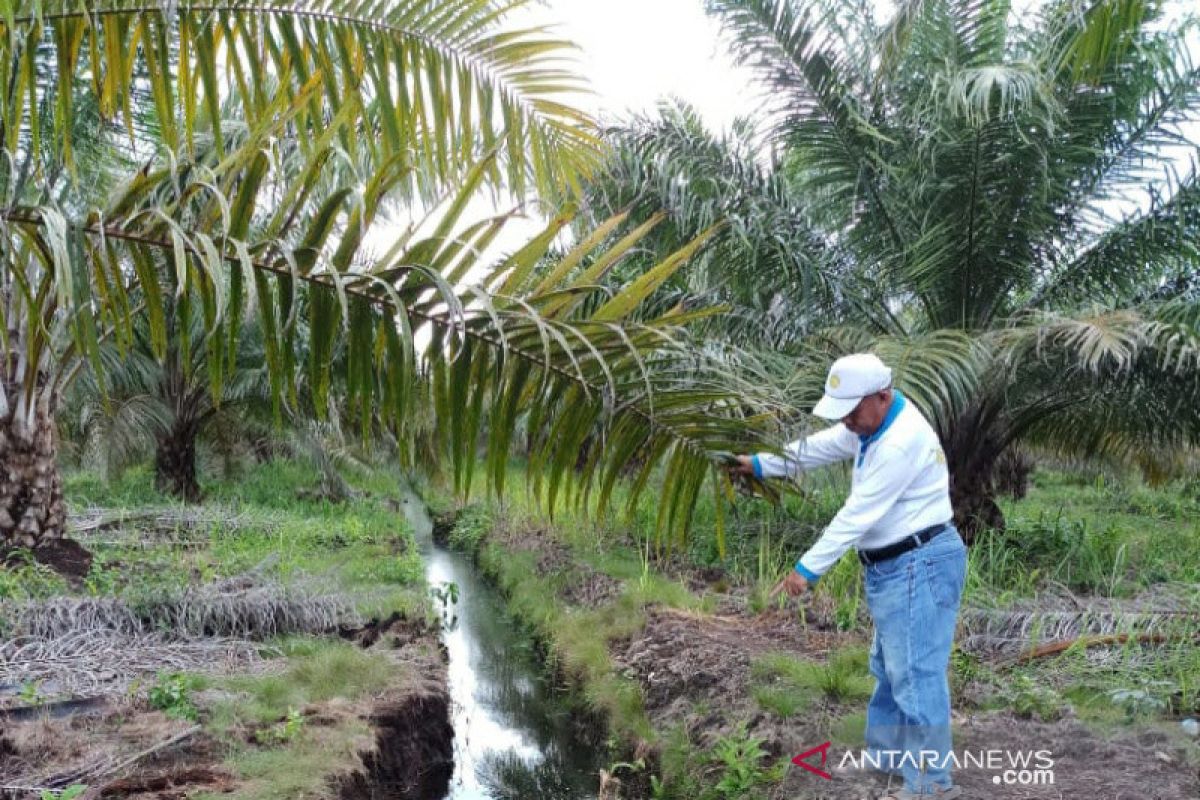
<point>741,465</point>
<point>793,583</point>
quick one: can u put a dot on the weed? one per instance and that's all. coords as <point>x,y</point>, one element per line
<point>965,669</point>
<point>843,677</point>
<point>171,694</point>
<point>783,701</point>
<point>741,756</point>
<point>1030,700</point>
<point>318,670</point>
<point>102,577</point>
<point>283,732</point>
<point>31,693</point>
<point>23,578</point>
<point>70,793</point>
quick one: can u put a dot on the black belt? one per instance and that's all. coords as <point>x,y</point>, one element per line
<point>903,546</point>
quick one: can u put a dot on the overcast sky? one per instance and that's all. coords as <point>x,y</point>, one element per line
<point>635,53</point>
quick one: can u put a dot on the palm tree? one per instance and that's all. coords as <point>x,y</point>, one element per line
<point>1000,178</point>
<point>166,405</point>
<point>287,129</point>
<point>766,264</point>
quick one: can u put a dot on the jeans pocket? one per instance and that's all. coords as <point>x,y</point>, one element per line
<point>946,576</point>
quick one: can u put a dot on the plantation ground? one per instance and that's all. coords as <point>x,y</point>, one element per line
<point>262,645</point>
<point>283,647</point>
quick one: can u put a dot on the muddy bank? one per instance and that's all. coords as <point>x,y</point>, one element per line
<point>413,755</point>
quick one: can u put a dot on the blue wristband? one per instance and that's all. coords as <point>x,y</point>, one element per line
<point>757,465</point>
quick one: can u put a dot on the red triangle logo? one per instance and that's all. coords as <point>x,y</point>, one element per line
<point>823,749</point>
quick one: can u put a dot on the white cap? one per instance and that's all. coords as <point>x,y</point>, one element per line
<point>851,378</point>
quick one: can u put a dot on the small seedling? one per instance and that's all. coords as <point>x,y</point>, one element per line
<point>741,756</point>
<point>284,732</point>
<point>31,694</point>
<point>172,695</point>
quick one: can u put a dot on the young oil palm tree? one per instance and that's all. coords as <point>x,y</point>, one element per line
<point>1009,177</point>
<point>287,128</point>
<point>165,405</point>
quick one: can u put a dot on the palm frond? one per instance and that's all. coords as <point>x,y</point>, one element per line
<point>814,99</point>
<point>1117,384</point>
<point>437,81</point>
<point>490,358</point>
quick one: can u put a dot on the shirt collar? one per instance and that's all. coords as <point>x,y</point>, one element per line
<point>898,403</point>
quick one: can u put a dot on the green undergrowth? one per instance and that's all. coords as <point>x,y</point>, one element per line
<point>1093,537</point>
<point>1100,535</point>
<point>264,523</point>
<point>786,685</point>
<point>318,670</point>
<point>260,522</point>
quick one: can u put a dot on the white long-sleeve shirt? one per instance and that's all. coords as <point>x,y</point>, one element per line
<point>900,483</point>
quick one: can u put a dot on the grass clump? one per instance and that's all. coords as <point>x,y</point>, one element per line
<point>784,684</point>
<point>172,695</point>
<point>318,670</point>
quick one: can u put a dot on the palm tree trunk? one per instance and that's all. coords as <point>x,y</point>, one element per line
<point>175,463</point>
<point>973,447</point>
<point>973,496</point>
<point>32,509</point>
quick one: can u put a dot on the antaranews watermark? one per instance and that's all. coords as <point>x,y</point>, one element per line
<point>1008,767</point>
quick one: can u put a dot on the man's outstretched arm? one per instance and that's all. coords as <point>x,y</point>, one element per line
<point>824,447</point>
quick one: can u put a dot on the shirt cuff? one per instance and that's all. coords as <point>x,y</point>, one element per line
<point>754,462</point>
<point>808,574</point>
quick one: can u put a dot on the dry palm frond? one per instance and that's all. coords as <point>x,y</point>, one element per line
<point>34,782</point>
<point>113,764</point>
<point>1168,612</point>
<point>242,608</point>
<point>165,519</point>
<point>91,662</point>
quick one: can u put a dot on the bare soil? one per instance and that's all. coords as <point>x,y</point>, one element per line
<point>65,556</point>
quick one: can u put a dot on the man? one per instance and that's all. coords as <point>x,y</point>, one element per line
<point>898,517</point>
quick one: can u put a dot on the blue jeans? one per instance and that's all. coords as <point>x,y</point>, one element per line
<point>914,600</point>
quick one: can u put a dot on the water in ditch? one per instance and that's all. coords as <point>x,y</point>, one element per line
<point>514,736</point>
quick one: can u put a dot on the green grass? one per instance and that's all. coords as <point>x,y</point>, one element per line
<point>259,523</point>
<point>362,548</point>
<point>1101,536</point>
<point>292,759</point>
<point>25,579</point>
<point>318,670</point>
<point>785,684</point>
<point>299,771</point>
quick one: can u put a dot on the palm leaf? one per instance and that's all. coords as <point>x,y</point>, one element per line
<point>433,80</point>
